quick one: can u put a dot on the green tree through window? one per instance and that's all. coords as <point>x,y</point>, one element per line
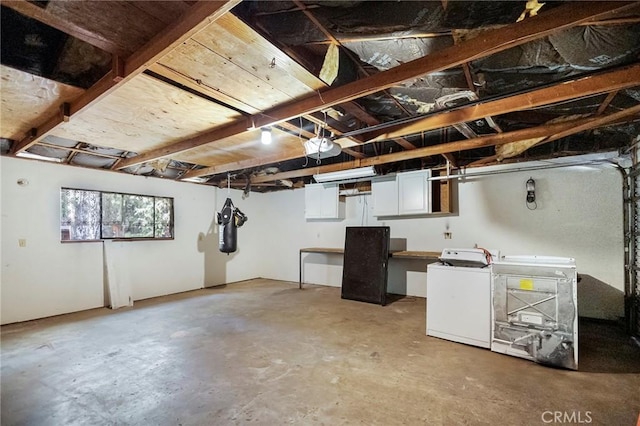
<point>94,215</point>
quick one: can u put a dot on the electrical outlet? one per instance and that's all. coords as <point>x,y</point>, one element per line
<point>22,242</point>
<point>447,235</point>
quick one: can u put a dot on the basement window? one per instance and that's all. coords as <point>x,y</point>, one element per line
<point>100,215</point>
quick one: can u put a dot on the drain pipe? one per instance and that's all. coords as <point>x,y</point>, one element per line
<point>629,247</point>
<point>631,212</point>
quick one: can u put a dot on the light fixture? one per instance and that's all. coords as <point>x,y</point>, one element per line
<point>321,148</point>
<point>531,191</point>
<point>195,179</point>
<point>531,194</point>
<point>265,135</point>
<point>359,173</point>
<point>31,156</point>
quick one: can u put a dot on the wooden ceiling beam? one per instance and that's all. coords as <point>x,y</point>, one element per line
<point>605,82</point>
<point>362,114</point>
<point>586,86</point>
<point>335,41</point>
<point>355,38</point>
<point>303,7</point>
<point>614,21</point>
<point>598,121</point>
<point>243,164</point>
<point>193,20</point>
<point>358,112</point>
<point>232,129</point>
<point>77,149</point>
<point>257,162</point>
<point>491,42</point>
<point>299,131</point>
<point>605,103</point>
<point>556,130</point>
<point>354,153</point>
<point>450,158</point>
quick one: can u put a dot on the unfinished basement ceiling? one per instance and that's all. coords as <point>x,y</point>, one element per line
<point>180,90</point>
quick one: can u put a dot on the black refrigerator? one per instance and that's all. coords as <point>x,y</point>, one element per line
<point>366,257</point>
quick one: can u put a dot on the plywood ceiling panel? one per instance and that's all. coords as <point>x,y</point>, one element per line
<point>28,100</point>
<point>199,63</point>
<point>244,146</point>
<point>229,56</point>
<point>143,114</point>
<point>165,11</point>
<point>240,44</point>
<point>127,25</point>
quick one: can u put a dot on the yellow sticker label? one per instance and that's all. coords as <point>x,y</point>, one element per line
<point>526,284</point>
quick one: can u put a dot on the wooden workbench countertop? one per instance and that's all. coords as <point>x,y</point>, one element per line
<point>397,254</point>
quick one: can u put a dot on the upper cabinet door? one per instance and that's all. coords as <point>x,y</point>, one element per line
<point>313,201</point>
<point>321,201</point>
<point>414,195</point>
<point>384,191</point>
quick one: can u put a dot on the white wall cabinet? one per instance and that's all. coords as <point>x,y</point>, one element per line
<point>384,192</point>
<point>322,201</point>
<point>402,194</point>
<point>414,195</point>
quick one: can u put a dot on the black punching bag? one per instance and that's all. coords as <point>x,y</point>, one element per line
<point>229,219</point>
<point>227,231</point>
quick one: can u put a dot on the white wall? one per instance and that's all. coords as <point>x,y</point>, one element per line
<point>579,215</point>
<point>48,277</point>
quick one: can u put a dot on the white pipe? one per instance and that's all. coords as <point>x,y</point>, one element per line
<point>608,160</point>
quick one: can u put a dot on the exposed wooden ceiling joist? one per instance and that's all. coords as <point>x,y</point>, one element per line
<point>354,38</point>
<point>450,158</point>
<point>624,78</point>
<point>605,103</point>
<point>350,107</point>
<point>358,112</point>
<point>78,149</point>
<point>491,42</point>
<point>587,86</point>
<point>363,114</point>
<point>196,18</point>
<point>557,130</point>
<point>242,164</point>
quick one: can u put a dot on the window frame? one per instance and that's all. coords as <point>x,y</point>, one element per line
<point>101,224</point>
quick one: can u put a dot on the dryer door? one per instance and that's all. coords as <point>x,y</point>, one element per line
<point>535,312</point>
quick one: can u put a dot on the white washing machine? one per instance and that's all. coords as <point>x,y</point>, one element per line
<point>459,303</point>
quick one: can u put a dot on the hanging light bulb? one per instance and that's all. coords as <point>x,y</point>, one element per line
<point>265,135</point>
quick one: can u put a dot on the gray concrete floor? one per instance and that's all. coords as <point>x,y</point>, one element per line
<point>264,352</point>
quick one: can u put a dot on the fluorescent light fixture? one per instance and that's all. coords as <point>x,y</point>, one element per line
<point>349,174</point>
<point>196,179</point>
<point>265,135</point>
<point>25,154</point>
